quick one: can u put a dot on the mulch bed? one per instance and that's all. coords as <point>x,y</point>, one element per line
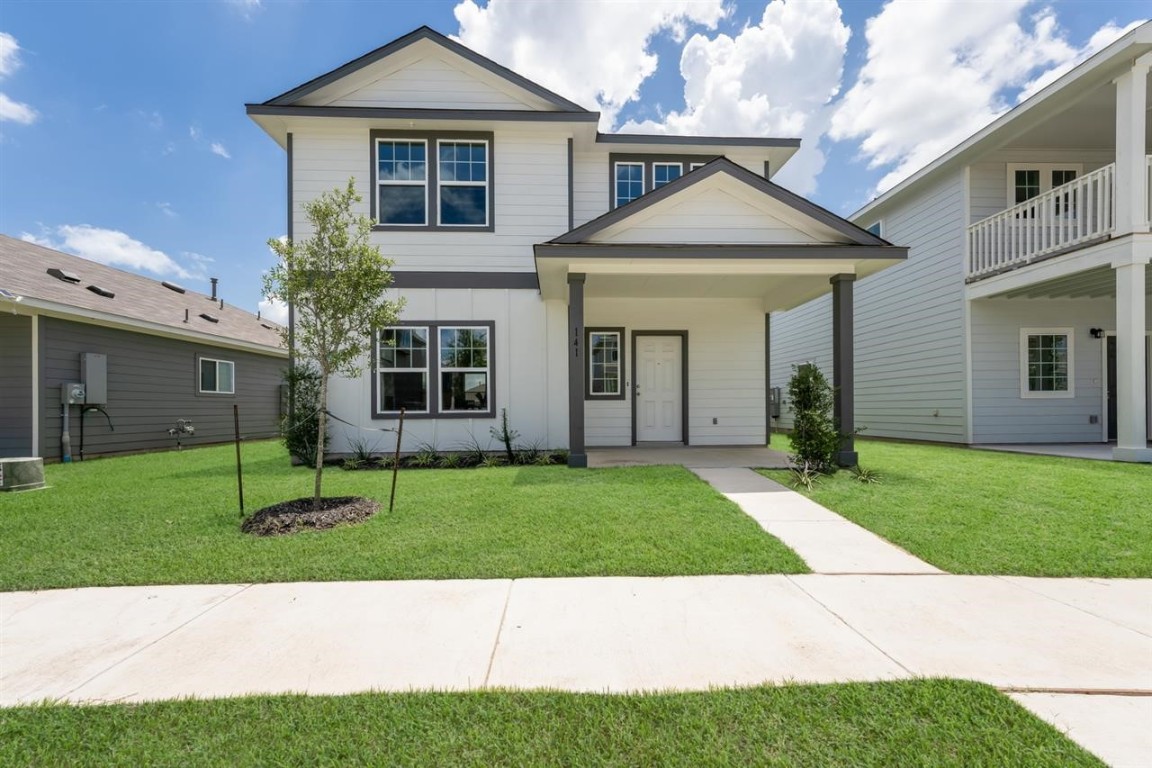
<point>298,515</point>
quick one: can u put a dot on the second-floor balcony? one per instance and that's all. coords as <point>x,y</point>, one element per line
<point>1064,218</point>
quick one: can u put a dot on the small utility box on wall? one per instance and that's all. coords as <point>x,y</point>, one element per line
<point>94,374</point>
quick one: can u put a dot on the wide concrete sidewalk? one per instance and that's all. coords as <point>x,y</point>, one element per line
<point>595,634</point>
<point>827,542</point>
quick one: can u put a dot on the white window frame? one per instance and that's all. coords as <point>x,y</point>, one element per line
<point>664,164</point>
<point>616,181</point>
<point>441,183</point>
<point>427,369</point>
<point>619,363</point>
<point>1027,393</point>
<point>442,369</point>
<point>876,228</point>
<point>200,376</point>
<point>694,166</point>
<point>400,183</point>
<point>1045,170</point>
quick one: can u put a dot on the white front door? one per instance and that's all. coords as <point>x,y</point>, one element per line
<point>659,389</point>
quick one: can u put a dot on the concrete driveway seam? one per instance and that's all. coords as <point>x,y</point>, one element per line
<point>499,632</point>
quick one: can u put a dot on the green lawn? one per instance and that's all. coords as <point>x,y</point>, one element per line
<point>909,723</point>
<point>985,512</point>
<point>168,518</point>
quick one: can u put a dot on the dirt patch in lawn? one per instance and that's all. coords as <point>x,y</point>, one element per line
<point>298,515</point>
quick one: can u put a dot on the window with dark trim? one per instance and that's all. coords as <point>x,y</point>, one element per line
<point>434,369</point>
<point>632,175</point>
<point>604,375</point>
<point>432,181</point>
<point>216,377</point>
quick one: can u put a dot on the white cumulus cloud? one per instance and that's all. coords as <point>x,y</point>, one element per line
<point>593,53</point>
<point>936,72</point>
<point>10,109</point>
<point>274,310</point>
<point>218,149</point>
<point>774,78</point>
<point>111,247</point>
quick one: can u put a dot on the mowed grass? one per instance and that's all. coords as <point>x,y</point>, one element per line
<point>907,723</point>
<point>986,512</point>
<point>168,518</point>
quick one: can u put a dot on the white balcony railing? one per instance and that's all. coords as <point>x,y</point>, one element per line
<point>1066,216</point>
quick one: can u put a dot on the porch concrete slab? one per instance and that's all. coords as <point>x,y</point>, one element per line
<point>987,629</point>
<point>1114,728</point>
<point>320,638</point>
<point>52,642</point>
<point>1127,602</point>
<point>823,539</point>
<point>631,634</point>
<point>687,456</point>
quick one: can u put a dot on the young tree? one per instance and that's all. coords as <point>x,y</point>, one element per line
<point>335,281</point>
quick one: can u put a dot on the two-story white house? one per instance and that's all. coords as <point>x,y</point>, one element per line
<point>1022,313</point>
<point>605,289</point>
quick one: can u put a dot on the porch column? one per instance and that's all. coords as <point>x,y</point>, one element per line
<point>843,375</point>
<point>1131,167</point>
<point>1131,384</point>
<point>577,457</point>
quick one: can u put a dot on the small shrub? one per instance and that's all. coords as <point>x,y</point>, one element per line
<point>492,460</point>
<point>362,452</point>
<point>350,464</point>
<point>815,437</point>
<point>530,454</point>
<point>424,458</point>
<point>560,456</point>
<point>298,430</point>
<point>803,476</point>
<point>543,459</point>
<point>867,476</point>
<point>450,461</point>
<point>505,435</point>
<point>474,453</point>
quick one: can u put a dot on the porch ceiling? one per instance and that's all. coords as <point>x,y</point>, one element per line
<point>1090,284</point>
<point>1087,123</point>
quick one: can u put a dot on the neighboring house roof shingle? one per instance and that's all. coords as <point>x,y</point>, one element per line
<point>142,302</point>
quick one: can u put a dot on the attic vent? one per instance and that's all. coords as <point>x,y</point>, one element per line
<point>209,318</point>
<point>265,325</point>
<point>60,274</point>
<point>101,291</point>
<point>173,287</point>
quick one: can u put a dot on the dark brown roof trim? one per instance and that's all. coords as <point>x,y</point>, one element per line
<point>717,251</point>
<point>712,141</point>
<point>411,113</point>
<point>856,234</point>
<point>425,33</point>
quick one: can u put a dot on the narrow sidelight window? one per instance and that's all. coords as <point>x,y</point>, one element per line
<point>604,363</point>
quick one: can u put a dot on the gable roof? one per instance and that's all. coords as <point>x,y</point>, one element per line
<point>425,33</point>
<point>722,165</point>
<point>137,302</point>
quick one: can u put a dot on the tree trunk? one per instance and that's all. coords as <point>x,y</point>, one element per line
<point>323,425</point>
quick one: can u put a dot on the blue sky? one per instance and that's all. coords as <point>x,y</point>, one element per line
<point>123,136</point>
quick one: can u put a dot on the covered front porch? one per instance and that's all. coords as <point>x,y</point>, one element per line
<point>668,321</point>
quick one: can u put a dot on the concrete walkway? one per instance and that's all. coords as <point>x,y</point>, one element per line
<point>826,541</point>
<point>587,634</point>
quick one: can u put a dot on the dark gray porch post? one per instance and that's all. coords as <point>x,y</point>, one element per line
<point>767,369</point>
<point>576,453</point>
<point>843,375</point>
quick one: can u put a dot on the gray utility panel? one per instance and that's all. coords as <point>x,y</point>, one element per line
<point>94,374</point>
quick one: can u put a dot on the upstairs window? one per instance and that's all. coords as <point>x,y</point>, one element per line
<point>629,182</point>
<point>633,175</point>
<point>1026,181</point>
<point>430,181</point>
<point>662,173</point>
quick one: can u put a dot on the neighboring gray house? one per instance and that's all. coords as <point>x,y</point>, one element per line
<point>1022,314</point>
<point>605,289</point>
<point>148,353</point>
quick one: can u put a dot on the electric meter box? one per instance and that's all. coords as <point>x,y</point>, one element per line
<point>94,374</point>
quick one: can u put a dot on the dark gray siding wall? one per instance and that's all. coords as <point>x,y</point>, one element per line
<point>152,382</point>
<point>16,385</point>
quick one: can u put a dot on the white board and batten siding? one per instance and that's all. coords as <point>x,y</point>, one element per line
<point>725,367</point>
<point>1000,413</point>
<point>530,191</point>
<point>909,332</point>
<point>528,375</point>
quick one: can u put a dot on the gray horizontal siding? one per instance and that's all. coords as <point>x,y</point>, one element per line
<point>909,333</point>
<point>152,382</point>
<point>16,386</point>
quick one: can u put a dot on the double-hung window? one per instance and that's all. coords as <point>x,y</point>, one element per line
<point>633,175</point>
<point>217,377</point>
<point>629,182</point>
<point>1046,362</point>
<point>403,370</point>
<point>434,369</point>
<point>605,373</point>
<point>662,173</point>
<point>432,181</point>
